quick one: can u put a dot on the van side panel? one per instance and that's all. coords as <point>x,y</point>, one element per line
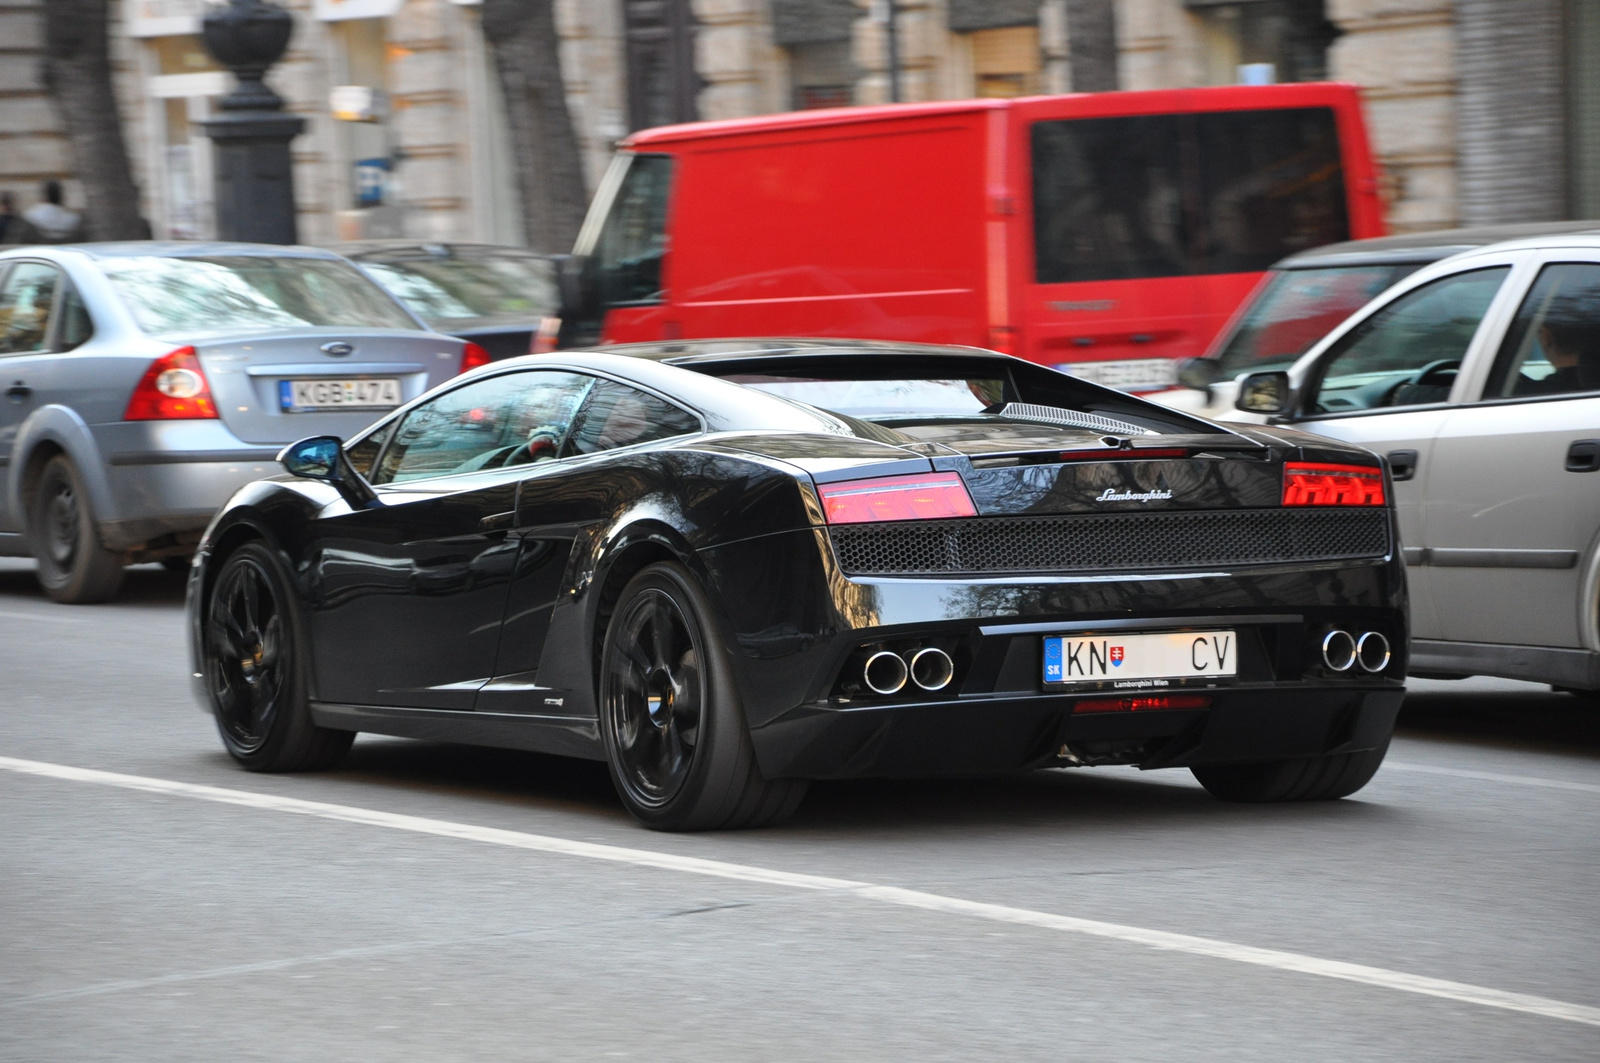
<point>866,230</point>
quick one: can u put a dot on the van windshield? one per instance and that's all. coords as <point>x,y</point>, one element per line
<point>1167,195</point>
<point>1296,308</point>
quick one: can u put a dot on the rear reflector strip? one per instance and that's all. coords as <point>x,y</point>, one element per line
<point>1144,704</point>
<point>1308,484</point>
<point>924,496</point>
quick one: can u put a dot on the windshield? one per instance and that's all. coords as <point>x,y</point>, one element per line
<point>956,397</point>
<point>1297,308</point>
<point>449,290</point>
<point>239,292</point>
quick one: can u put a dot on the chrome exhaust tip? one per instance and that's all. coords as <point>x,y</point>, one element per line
<point>1372,652</point>
<point>1338,650</point>
<point>932,668</point>
<point>884,673</point>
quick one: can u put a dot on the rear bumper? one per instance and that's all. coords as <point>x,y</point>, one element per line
<point>996,735</point>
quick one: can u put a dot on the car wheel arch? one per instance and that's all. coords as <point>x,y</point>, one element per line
<point>52,430</point>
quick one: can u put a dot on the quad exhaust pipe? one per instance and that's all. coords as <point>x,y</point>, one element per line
<point>1342,651</point>
<point>886,672</point>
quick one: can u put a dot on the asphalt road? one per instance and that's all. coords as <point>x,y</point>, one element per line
<point>428,902</point>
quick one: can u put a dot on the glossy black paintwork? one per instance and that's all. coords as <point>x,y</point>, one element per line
<point>470,608</point>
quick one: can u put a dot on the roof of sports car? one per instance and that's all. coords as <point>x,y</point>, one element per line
<point>689,352</point>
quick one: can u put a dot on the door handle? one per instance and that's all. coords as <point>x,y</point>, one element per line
<point>1584,456</point>
<point>1402,464</point>
<point>498,521</point>
<point>18,392</point>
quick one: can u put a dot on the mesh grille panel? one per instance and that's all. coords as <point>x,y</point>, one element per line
<point>1110,541</point>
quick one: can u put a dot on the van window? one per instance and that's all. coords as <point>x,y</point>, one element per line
<point>633,241</point>
<point>1171,195</point>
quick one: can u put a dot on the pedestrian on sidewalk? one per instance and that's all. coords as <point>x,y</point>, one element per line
<point>48,222</point>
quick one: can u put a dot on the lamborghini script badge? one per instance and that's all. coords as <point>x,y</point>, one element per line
<point>1111,494</point>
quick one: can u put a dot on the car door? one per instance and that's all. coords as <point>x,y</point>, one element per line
<point>411,592</point>
<point>1385,384</point>
<point>32,294</point>
<point>1511,510</point>
<point>557,502</point>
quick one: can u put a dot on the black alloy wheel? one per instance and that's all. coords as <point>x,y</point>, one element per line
<point>253,672</point>
<point>74,568</point>
<point>674,730</point>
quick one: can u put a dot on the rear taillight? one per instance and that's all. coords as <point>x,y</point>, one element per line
<point>174,388</point>
<point>924,496</point>
<point>1307,484</point>
<point>473,356</point>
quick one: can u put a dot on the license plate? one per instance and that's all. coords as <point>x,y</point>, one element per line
<point>1140,661</point>
<point>1135,375</point>
<point>298,396</point>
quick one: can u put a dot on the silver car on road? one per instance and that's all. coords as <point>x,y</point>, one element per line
<point>1479,378</point>
<point>145,382</point>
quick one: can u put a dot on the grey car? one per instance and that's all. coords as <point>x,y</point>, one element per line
<point>146,382</point>
<point>1479,378</point>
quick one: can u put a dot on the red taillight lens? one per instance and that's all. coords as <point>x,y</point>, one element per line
<point>472,356</point>
<point>173,389</point>
<point>1306,484</point>
<point>1144,704</point>
<point>926,496</point>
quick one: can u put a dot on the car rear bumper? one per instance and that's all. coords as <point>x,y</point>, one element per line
<point>993,735</point>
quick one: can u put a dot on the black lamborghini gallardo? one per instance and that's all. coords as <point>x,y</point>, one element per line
<point>729,567</point>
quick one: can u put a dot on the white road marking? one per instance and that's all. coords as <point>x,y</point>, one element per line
<point>1380,977</point>
<point>1494,776</point>
<point>6,614</point>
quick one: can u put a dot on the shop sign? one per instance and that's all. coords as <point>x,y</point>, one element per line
<point>164,18</point>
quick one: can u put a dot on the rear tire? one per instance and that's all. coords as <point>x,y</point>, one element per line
<point>255,670</point>
<point>1310,779</point>
<point>674,729</point>
<point>74,568</point>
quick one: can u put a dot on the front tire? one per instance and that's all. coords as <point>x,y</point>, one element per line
<point>255,671</point>
<point>74,568</point>
<point>1308,779</point>
<point>674,729</point>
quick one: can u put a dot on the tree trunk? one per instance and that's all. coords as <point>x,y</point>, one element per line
<point>77,74</point>
<point>1092,45</point>
<point>522,36</point>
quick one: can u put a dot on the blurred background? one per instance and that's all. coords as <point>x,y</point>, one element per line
<point>435,119</point>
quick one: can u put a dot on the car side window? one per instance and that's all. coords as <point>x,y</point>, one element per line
<point>361,455</point>
<point>26,299</point>
<point>503,421</point>
<point>1408,353</point>
<point>616,415</point>
<point>75,326</point>
<point>1553,345</point>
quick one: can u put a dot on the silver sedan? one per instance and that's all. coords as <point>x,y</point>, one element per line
<point>1479,378</point>
<point>146,382</point>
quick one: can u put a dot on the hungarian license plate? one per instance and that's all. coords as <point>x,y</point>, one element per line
<point>1140,661</point>
<point>299,396</point>
<point>1143,374</point>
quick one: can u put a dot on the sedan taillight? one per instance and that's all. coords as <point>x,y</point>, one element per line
<point>174,388</point>
<point>473,356</point>
<point>1310,484</point>
<point>921,496</point>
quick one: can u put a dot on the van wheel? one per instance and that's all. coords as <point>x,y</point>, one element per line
<point>675,736</point>
<point>73,566</point>
<point>1311,779</point>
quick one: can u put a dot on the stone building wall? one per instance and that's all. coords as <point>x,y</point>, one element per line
<point>33,145</point>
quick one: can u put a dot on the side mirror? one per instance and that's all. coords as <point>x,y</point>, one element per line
<point>1199,373</point>
<point>1264,393</point>
<point>323,458</point>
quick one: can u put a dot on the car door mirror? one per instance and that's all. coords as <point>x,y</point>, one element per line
<point>1199,373</point>
<point>1264,393</point>
<point>322,458</point>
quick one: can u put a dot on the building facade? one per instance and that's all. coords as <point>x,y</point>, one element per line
<point>1480,110</point>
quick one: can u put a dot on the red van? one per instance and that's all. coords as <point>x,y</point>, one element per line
<point>1109,234</point>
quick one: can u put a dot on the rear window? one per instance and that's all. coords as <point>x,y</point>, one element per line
<point>952,397</point>
<point>240,292</point>
<point>448,290</point>
<point>1297,308</point>
<point>1169,195</point>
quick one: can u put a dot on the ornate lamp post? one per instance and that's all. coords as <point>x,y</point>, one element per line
<point>254,174</point>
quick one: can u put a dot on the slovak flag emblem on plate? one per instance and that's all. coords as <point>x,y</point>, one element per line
<point>1116,656</point>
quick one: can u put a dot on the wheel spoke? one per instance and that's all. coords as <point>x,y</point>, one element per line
<point>662,622</point>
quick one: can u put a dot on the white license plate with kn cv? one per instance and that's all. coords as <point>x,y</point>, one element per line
<point>297,396</point>
<point>1140,661</point>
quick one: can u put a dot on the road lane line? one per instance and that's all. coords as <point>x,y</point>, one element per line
<point>1380,977</point>
<point>6,614</point>
<point>1494,776</point>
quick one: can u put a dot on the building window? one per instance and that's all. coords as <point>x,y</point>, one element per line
<point>662,81</point>
<point>1005,61</point>
<point>1291,37</point>
<point>821,75</point>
